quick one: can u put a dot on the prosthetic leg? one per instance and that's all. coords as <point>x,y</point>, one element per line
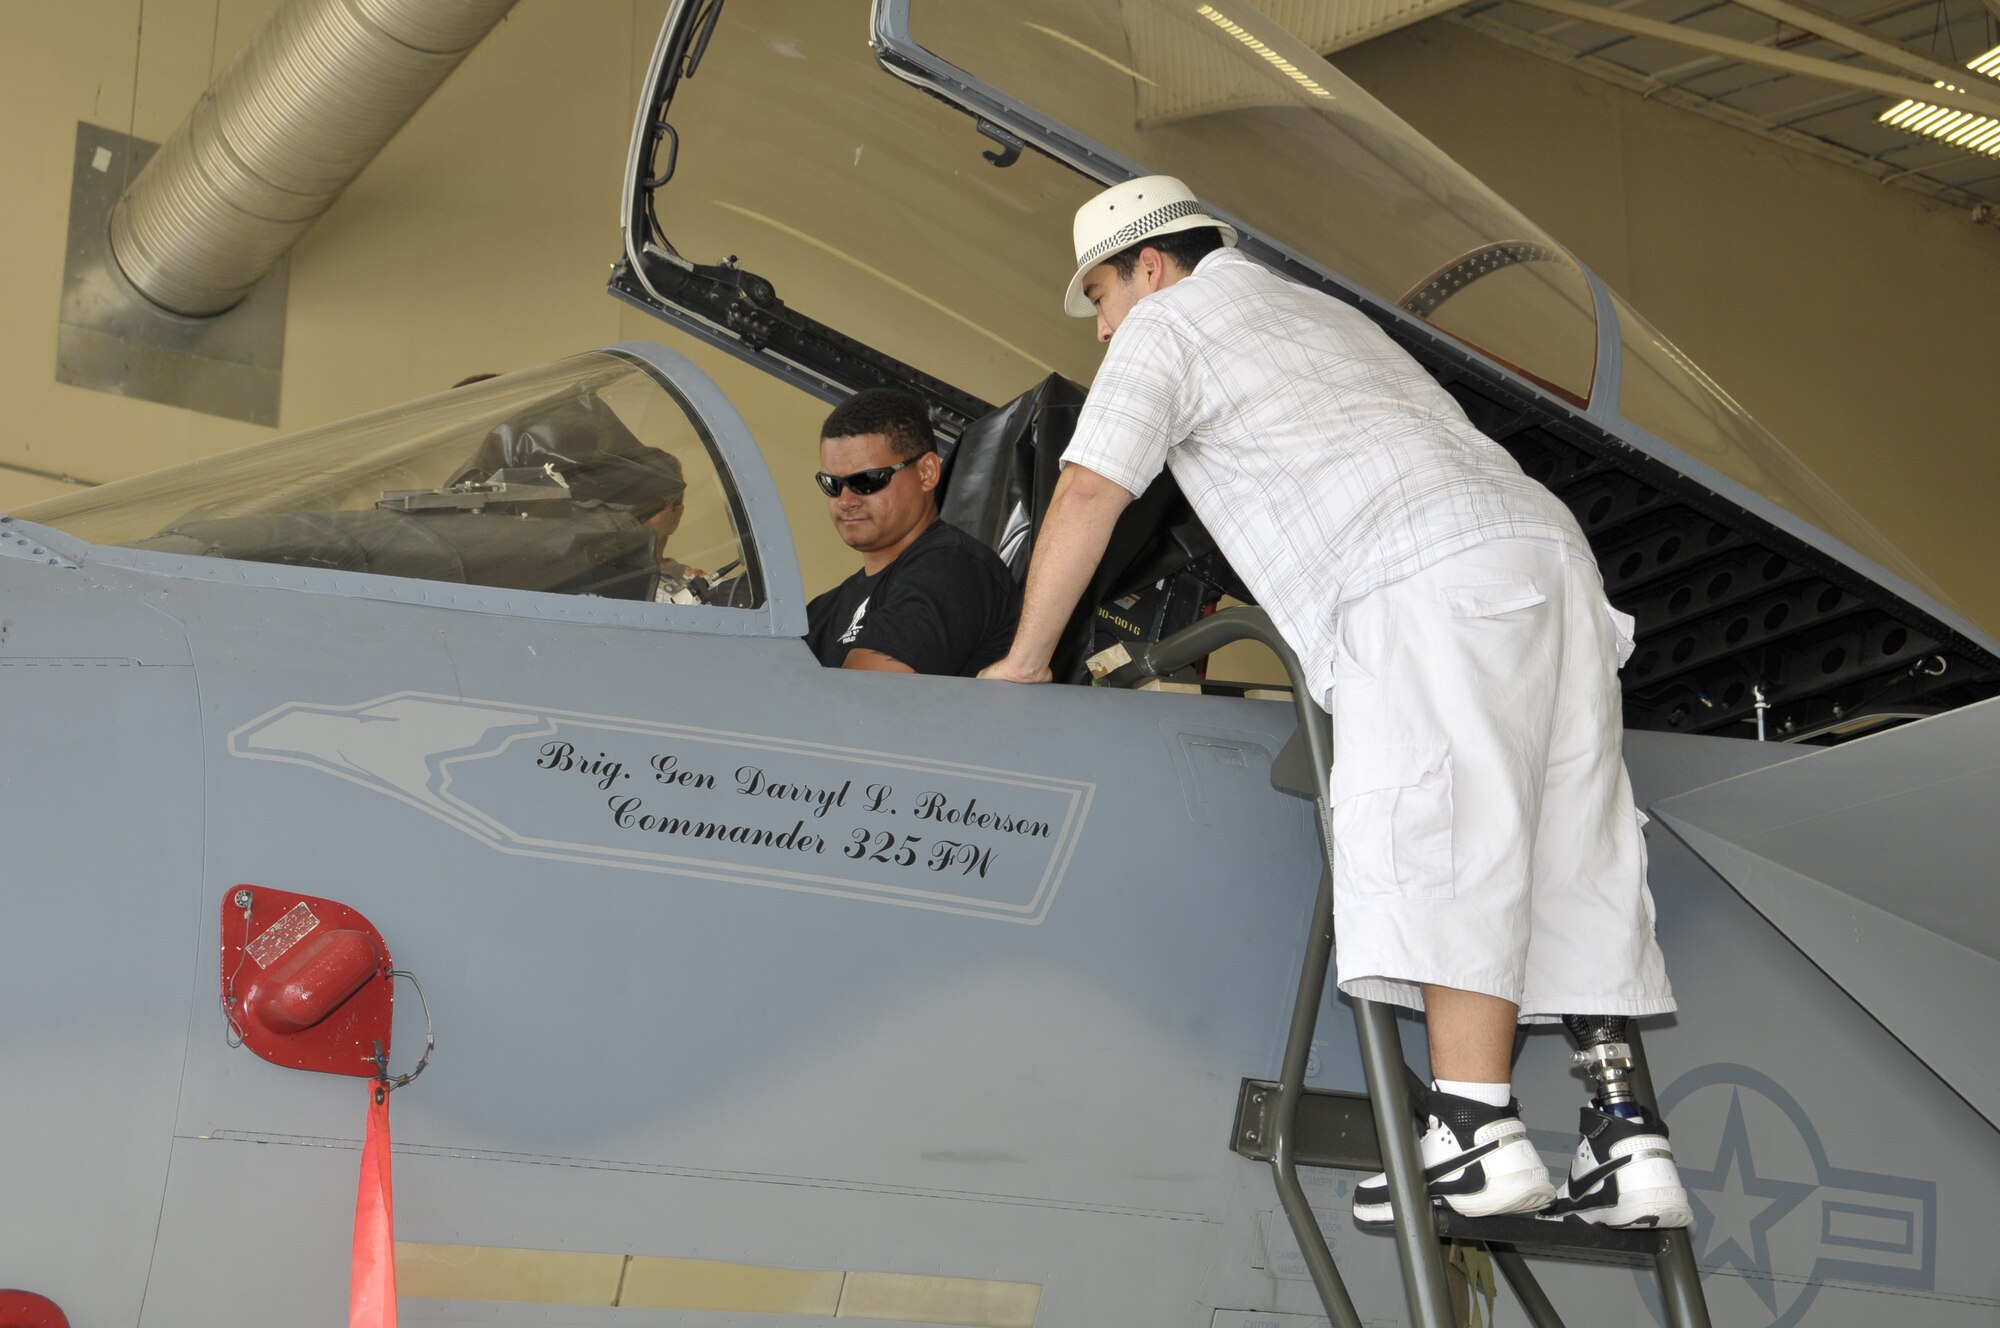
<point>1606,1059</point>
<point>1623,1174</point>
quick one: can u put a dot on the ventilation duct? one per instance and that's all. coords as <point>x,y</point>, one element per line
<point>321,87</point>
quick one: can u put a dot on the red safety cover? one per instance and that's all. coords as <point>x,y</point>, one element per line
<point>25,1309</point>
<point>306,981</point>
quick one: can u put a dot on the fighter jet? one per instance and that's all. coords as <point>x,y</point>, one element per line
<point>768,994</point>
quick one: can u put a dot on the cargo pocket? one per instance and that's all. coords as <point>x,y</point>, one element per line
<point>1490,599</point>
<point>1625,628</point>
<point>1392,823</point>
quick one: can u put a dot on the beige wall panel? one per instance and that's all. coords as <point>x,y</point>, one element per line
<point>1857,322</point>
<point>32,489</point>
<point>61,63</point>
<point>479,239</point>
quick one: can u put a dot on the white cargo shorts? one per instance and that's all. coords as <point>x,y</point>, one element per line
<point>1484,832</point>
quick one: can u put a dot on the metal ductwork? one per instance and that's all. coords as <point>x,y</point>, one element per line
<point>321,87</point>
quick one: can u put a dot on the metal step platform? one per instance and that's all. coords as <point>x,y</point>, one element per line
<point>1335,1128</point>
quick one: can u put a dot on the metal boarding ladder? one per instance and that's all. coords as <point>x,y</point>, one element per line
<point>1289,1126</point>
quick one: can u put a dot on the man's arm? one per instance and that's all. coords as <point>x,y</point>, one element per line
<point>1068,548</point>
<point>874,661</point>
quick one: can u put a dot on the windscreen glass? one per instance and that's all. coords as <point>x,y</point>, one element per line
<point>586,477</point>
<point>879,210</point>
<point>868,204</point>
<point>1267,131</point>
<point>1668,395</point>
<point>1262,128</point>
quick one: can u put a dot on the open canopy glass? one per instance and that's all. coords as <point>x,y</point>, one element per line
<point>901,221</point>
<point>588,476</point>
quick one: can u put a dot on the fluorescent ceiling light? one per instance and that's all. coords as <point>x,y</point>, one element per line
<point>1959,129</point>
<point>1271,57</point>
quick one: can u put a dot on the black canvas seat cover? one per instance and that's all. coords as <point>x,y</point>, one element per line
<point>996,486</point>
<point>598,457</point>
<point>579,550</point>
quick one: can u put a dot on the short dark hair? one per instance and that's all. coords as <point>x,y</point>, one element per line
<point>899,416</point>
<point>1186,248</point>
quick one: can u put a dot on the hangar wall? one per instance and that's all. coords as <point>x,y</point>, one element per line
<point>1854,320</point>
<point>478,241</point>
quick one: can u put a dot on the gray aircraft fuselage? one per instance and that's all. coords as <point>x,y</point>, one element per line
<point>841,1047</point>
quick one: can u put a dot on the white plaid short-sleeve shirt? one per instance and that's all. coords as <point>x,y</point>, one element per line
<point>1322,458</point>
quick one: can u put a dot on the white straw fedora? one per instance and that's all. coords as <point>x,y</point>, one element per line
<point>1125,214</point>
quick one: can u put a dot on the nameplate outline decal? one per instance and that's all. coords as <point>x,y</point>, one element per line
<point>720,805</point>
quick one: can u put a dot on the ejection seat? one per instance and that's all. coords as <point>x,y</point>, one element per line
<point>1160,571</point>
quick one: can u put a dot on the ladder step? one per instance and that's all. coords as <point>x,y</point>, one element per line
<point>1336,1128</point>
<point>1534,1235</point>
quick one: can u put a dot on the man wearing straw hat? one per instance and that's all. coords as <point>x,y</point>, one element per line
<point>1489,863</point>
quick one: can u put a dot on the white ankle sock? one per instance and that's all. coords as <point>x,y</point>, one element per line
<point>1493,1095</point>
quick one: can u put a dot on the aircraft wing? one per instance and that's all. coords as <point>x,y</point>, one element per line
<point>1875,859</point>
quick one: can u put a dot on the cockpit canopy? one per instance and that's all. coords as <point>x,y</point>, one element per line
<point>582,477</point>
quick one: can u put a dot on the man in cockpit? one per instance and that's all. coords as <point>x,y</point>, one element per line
<point>674,574</point>
<point>928,598</point>
<point>1489,865</point>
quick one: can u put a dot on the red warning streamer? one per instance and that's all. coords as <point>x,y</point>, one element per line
<point>372,1300</point>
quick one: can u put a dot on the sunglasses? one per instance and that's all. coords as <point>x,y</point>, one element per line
<point>864,482</point>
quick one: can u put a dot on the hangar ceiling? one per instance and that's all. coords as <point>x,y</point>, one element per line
<point>1817,79</point>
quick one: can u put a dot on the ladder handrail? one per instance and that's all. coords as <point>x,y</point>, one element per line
<point>1420,1257</point>
<point>1674,1268</point>
<point>1205,636</point>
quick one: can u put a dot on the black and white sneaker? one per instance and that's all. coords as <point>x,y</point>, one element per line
<point>1477,1158</point>
<point>1623,1175</point>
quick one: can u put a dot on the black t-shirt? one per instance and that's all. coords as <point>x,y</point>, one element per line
<point>946,605</point>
